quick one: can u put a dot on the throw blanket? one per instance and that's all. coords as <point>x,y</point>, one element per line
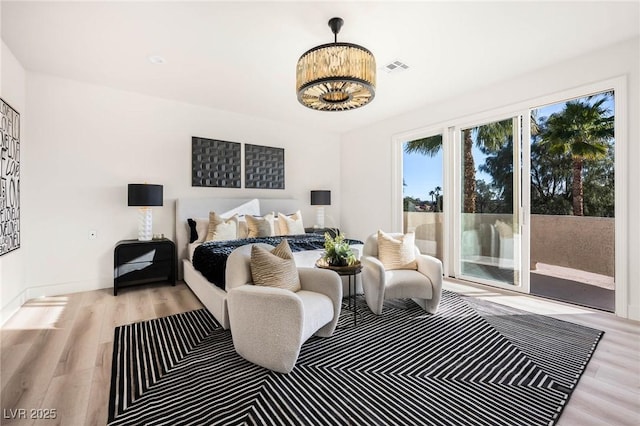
<point>210,258</point>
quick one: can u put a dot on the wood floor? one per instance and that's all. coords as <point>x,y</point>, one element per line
<point>56,354</point>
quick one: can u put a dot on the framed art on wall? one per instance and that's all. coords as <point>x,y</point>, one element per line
<point>264,167</point>
<point>215,163</point>
<point>9,178</point>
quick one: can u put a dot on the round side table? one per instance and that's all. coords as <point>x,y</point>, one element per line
<point>350,271</point>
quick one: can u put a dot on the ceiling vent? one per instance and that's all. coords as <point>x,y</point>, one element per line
<point>157,60</point>
<point>395,66</point>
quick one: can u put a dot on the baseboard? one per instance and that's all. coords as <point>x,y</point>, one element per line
<point>12,307</point>
<point>50,290</point>
<point>634,312</point>
<point>66,288</point>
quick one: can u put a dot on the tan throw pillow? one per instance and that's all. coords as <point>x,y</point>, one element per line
<point>260,226</point>
<point>221,229</point>
<point>504,229</point>
<point>397,252</point>
<point>243,229</point>
<point>275,268</point>
<point>291,225</point>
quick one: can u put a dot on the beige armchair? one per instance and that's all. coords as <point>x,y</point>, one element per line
<point>269,325</point>
<point>423,285</point>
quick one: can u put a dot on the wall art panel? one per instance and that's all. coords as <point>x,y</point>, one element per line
<point>215,163</point>
<point>9,178</point>
<point>264,167</point>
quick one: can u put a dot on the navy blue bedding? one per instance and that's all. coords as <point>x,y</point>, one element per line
<point>210,258</point>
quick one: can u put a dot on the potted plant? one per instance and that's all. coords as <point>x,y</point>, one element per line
<point>337,251</point>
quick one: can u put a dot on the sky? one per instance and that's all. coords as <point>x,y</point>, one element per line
<point>422,173</point>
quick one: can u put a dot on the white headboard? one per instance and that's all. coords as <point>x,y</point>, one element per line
<point>200,207</point>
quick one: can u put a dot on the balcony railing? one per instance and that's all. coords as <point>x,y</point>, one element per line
<point>582,248</point>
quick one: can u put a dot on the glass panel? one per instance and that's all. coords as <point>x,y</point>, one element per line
<point>422,182</point>
<point>572,201</point>
<point>490,228</point>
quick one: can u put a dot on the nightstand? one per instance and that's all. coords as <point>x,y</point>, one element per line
<point>141,262</point>
<point>331,231</point>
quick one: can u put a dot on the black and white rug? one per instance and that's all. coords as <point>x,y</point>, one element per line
<point>474,363</point>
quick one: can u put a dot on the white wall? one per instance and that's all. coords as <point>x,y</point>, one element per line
<point>87,142</point>
<point>367,179</point>
<point>12,264</point>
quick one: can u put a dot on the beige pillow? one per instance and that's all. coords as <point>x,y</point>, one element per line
<point>504,229</point>
<point>243,229</point>
<point>397,252</point>
<point>221,229</point>
<point>275,268</point>
<point>260,226</point>
<point>291,225</point>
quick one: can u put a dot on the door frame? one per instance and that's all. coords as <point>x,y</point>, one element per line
<point>397,174</point>
<point>617,84</point>
<point>521,264</point>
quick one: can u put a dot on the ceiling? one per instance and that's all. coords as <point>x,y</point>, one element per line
<point>241,56</point>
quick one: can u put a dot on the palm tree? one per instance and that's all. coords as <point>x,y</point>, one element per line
<point>582,131</point>
<point>438,203</point>
<point>489,136</point>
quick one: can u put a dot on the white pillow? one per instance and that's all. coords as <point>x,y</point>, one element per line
<point>192,248</point>
<point>260,226</point>
<point>202,228</point>
<point>250,207</point>
<point>221,229</point>
<point>291,225</point>
<point>397,252</point>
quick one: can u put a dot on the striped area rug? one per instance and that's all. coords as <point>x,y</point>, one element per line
<point>474,363</point>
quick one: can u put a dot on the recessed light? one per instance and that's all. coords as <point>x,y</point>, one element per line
<point>157,60</point>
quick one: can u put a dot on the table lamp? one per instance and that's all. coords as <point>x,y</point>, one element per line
<point>320,199</point>
<point>145,196</point>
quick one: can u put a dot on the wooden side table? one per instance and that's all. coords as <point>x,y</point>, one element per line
<point>141,262</point>
<point>351,272</point>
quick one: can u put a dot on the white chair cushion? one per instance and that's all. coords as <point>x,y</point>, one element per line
<point>405,283</point>
<point>318,311</point>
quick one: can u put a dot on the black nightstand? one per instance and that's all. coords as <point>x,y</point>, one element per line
<point>141,262</point>
<point>331,231</point>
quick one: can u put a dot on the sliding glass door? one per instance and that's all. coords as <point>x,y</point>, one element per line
<point>527,199</point>
<point>489,228</point>
<point>423,193</point>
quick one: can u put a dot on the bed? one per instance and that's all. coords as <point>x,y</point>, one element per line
<point>213,295</point>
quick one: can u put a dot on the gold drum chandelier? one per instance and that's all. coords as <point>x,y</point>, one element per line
<point>336,76</point>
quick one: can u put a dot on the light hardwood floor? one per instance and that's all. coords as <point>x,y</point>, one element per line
<point>56,354</point>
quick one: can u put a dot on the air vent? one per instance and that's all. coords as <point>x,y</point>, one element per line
<point>395,66</point>
<point>157,60</point>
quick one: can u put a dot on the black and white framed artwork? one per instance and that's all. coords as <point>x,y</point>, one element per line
<point>215,163</point>
<point>264,167</point>
<point>9,178</point>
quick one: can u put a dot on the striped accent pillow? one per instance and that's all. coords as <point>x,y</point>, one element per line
<point>275,268</point>
<point>397,252</point>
